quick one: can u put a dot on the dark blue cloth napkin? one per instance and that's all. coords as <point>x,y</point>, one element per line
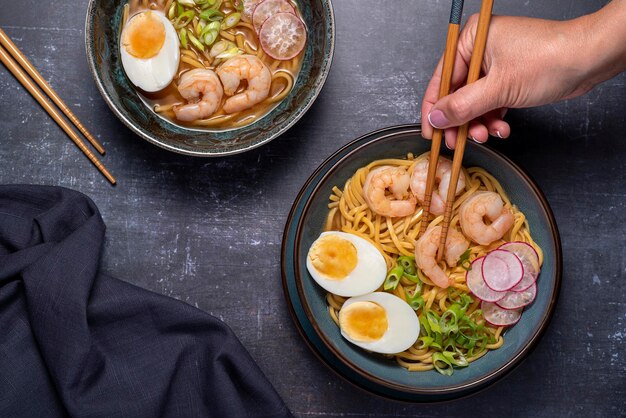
<point>74,341</point>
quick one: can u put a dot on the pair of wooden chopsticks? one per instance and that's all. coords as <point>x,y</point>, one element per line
<point>19,65</point>
<point>480,42</point>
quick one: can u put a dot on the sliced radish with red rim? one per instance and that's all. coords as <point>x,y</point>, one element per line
<point>476,284</point>
<point>268,8</point>
<point>516,300</point>
<point>527,281</point>
<point>502,270</point>
<point>283,36</point>
<point>526,253</point>
<point>498,316</point>
<point>248,8</point>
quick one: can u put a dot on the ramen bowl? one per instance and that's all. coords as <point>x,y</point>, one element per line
<point>102,29</point>
<point>382,376</point>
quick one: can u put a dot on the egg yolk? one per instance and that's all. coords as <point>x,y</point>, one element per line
<point>363,321</point>
<point>144,36</point>
<point>333,256</point>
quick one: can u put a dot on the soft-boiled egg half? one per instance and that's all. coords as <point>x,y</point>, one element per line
<point>379,322</point>
<point>345,264</point>
<point>149,50</point>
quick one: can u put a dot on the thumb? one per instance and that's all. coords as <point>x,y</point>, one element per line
<point>465,104</point>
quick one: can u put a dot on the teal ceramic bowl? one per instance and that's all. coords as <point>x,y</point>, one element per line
<point>102,28</point>
<point>374,373</point>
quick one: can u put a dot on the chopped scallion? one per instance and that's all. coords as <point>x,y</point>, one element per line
<point>231,20</point>
<point>393,278</point>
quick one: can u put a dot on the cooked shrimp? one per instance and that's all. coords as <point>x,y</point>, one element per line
<point>203,91</point>
<point>481,206</point>
<point>442,178</point>
<point>394,179</point>
<point>251,69</point>
<point>426,252</point>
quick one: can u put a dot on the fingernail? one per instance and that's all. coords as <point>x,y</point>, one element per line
<point>476,140</point>
<point>498,134</point>
<point>447,146</point>
<point>437,119</point>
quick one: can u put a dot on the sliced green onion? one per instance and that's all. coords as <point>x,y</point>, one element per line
<point>229,53</point>
<point>172,12</point>
<point>456,358</point>
<point>212,15</point>
<point>393,278</point>
<point>231,20</point>
<point>415,299</point>
<point>188,3</point>
<point>464,260</point>
<point>195,42</point>
<point>200,28</point>
<point>214,26</point>
<point>448,323</point>
<point>239,5</point>
<point>182,34</point>
<point>220,47</point>
<point>179,9</point>
<point>413,278</point>
<point>408,264</point>
<point>210,37</point>
<point>426,341</point>
<point>434,321</point>
<point>184,19</point>
<point>442,364</point>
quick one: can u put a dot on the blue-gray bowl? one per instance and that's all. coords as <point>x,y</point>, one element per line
<point>374,373</point>
<point>102,28</point>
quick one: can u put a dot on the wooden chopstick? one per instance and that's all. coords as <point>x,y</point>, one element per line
<point>26,65</point>
<point>29,85</point>
<point>449,56</point>
<point>480,42</point>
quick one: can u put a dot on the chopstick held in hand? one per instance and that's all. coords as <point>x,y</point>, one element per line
<point>444,89</point>
<point>480,42</point>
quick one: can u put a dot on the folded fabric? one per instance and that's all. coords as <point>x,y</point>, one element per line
<point>74,341</point>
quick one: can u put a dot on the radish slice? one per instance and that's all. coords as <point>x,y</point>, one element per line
<point>526,253</point>
<point>527,281</point>
<point>516,300</point>
<point>502,270</point>
<point>499,317</point>
<point>248,8</point>
<point>475,282</point>
<point>268,8</point>
<point>283,36</point>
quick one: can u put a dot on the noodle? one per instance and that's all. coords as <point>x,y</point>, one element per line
<point>227,35</point>
<point>192,61</point>
<point>349,213</point>
<point>285,91</point>
<point>246,25</point>
<point>214,120</point>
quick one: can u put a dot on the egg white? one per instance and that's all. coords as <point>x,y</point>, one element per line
<point>403,324</point>
<point>155,73</point>
<point>368,275</point>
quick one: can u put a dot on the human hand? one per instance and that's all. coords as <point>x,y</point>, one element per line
<point>527,62</point>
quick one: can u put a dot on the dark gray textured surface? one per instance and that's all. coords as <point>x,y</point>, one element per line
<point>208,231</point>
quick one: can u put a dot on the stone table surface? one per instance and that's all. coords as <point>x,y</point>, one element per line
<point>208,231</point>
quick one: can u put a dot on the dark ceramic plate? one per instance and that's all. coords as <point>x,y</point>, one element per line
<point>102,29</point>
<point>385,377</point>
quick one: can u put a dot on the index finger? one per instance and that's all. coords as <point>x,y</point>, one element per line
<point>431,95</point>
